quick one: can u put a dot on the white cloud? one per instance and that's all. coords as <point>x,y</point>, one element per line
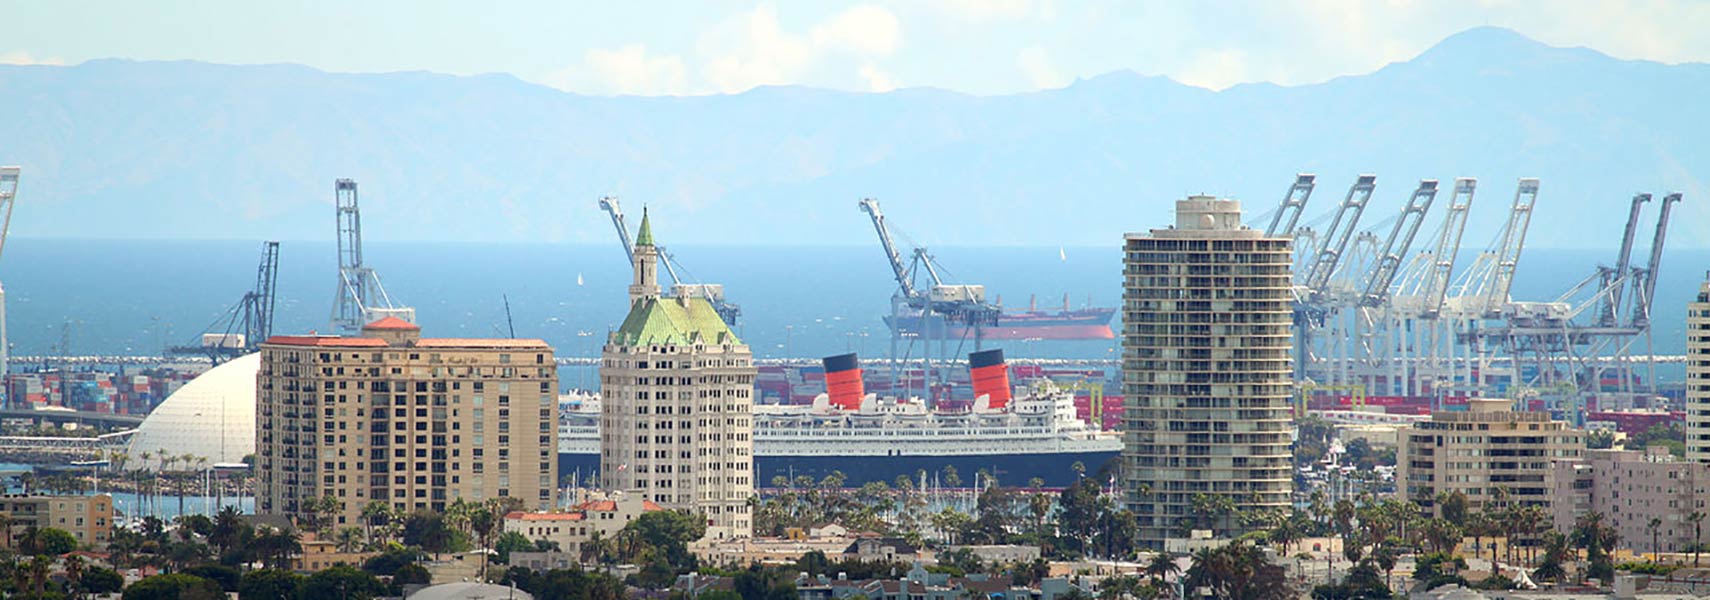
<point>1036,64</point>
<point>1216,69</point>
<point>992,10</point>
<point>867,30</point>
<point>877,80</point>
<point>20,57</point>
<point>631,70</point>
<point>753,50</point>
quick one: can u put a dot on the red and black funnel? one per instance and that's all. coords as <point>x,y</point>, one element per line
<point>843,381</point>
<point>991,376</point>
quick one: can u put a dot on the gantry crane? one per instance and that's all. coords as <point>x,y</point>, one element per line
<point>1395,247</point>
<point>360,298</point>
<point>244,326</point>
<point>1312,298</point>
<point>714,293</point>
<point>8,193</point>
<point>1288,214</point>
<point>936,305</point>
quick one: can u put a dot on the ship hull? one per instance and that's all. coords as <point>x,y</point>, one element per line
<point>1093,325</point>
<point>1056,469</point>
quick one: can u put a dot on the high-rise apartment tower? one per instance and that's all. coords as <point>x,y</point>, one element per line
<point>1205,371</point>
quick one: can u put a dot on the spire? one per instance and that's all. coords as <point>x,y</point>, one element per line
<point>645,236</point>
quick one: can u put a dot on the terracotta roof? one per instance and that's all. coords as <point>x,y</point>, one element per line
<point>327,341</point>
<point>552,516</point>
<point>391,323</point>
<point>481,343</point>
<point>611,505</point>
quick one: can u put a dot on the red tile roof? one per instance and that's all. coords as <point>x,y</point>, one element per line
<point>553,516</point>
<point>480,343</point>
<point>611,505</point>
<point>392,323</point>
<point>327,341</point>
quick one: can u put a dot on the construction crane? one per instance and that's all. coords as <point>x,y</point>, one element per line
<point>730,312</point>
<point>1288,214</point>
<point>360,298</point>
<point>1395,247</point>
<point>963,305</point>
<point>8,193</point>
<point>244,326</point>
<point>1341,230</point>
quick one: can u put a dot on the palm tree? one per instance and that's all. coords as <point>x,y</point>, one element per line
<point>1697,521</point>
<point>1161,567</point>
<point>349,539</point>
<point>375,509</point>
<point>1655,525</point>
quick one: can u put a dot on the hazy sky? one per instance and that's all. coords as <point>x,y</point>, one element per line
<point>984,47</point>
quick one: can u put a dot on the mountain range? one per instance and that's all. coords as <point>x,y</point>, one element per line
<point>127,149</point>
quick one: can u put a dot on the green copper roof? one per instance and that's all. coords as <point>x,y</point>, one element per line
<point>673,321</point>
<point>645,236</point>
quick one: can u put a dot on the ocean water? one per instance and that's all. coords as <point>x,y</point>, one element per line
<point>136,296</point>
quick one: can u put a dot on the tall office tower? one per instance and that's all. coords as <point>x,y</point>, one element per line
<point>1698,376</point>
<point>416,422</point>
<point>1205,371</point>
<point>676,388</point>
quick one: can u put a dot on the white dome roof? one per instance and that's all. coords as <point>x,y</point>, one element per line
<point>467,589</point>
<point>212,416</point>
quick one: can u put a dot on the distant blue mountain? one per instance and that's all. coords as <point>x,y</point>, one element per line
<point>116,148</point>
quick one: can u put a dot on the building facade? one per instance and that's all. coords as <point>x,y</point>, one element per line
<point>1486,448</point>
<point>417,423</point>
<point>1698,376</point>
<point>676,389</point>
<point>89,519</point>
<point>1205,369</point>
<point>1631,488</point>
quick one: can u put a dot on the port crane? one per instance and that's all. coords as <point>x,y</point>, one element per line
<point>244,326</point>
<point>359,298</point>
<point>963,305</point>
<point>8,193</point>
<point>1312,298</point>
<point>730,312</point>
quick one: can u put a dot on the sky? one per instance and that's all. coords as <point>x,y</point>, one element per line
<point>728,46</point>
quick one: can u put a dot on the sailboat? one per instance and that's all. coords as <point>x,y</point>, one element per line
<point>578,279</point>
<point>1062,255</point>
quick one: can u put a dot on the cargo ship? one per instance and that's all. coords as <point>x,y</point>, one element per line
<point>1090,323</point>
<point>1015,438</point>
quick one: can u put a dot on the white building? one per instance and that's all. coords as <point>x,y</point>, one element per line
<point>676,397</point>
<point>1698,376</point>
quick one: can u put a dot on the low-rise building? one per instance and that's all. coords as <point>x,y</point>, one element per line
<point>89,519</point>
<point>570,529</point>
<point>319,555</point>
<point>1489,446</point>
<point>1630,488</point>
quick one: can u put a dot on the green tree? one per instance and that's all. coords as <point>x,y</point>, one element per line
<point>97,580</point>
<point>343,582</point>
<point>668,533</point>
<point>411,574</point>
<point>47,541</point>
<point>509,542</point>
<point>175,586</point>
<point>226,576</point>
<point>269,584</point>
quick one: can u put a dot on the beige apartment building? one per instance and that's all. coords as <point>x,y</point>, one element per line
<point>676,389</point>
<point>1205,368</point>
<point>1482,449</point>
<point>1630,488</point>
<point>87,518</point>
<point>1698,376</point>
<point>415,422</point>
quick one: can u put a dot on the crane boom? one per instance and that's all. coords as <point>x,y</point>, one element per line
<point>1337,235</point>
<point>1646,286</point>
<point>1283,223</point>
<point>1400,240</point>
<point>1509,249</point>
<point>611,206</point>
<point>8,191</point>
<point>1615,280</point>
<point>1448,246</point>
<point>898,269</point>
<point>258,318</point>
<point>360,297</point>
